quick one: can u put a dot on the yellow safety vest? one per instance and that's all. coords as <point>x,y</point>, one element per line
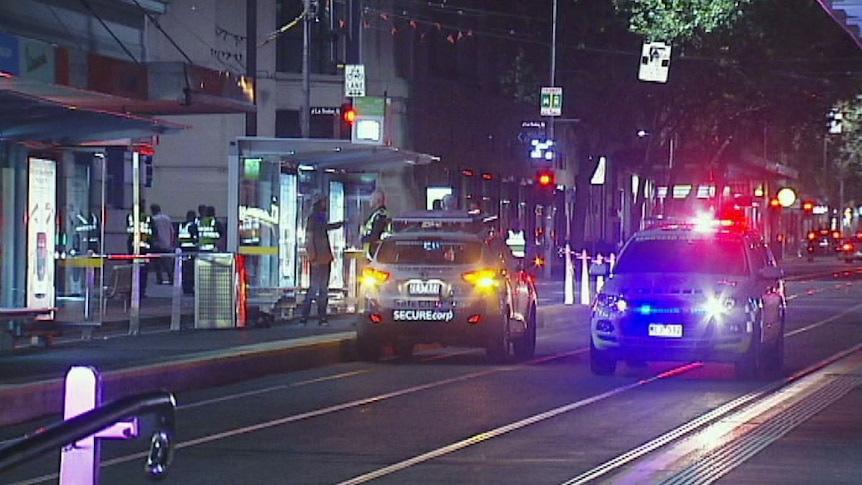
<point>145,229</point>
<point>188,242</point>
<point>517,242</point>
<point>208,234</point>
<point>370,246</point>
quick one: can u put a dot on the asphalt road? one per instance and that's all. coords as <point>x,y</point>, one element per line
<point>448,416</point>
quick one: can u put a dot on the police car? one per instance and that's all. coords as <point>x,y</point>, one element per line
<point>440,278</point>
<point>699,291</point>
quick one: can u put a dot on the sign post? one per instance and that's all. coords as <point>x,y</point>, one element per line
<point>552,101</point>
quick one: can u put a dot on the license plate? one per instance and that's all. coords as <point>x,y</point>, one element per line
<point>665,330</point>
<point>423,315</point>
<point>423,288</point>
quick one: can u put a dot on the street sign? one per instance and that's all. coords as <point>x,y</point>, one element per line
<point>354,80</point>
<point>370,115</point>
<point>655,62</point>
<point>552,101</point>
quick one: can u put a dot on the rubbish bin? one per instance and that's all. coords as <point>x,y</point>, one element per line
<point>215,290</point>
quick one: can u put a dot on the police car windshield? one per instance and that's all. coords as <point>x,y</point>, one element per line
<point>701,256</point>
<point>429,252</point>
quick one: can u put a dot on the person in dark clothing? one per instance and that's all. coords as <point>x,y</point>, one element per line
<point>163,243</point>
<point>319,252</point>
<point>187,240</point>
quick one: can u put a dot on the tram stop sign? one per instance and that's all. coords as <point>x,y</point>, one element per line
<point>552,101</point>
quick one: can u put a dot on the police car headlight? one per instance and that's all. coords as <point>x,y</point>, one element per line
<point>718,306</point>
<point>610,304</point>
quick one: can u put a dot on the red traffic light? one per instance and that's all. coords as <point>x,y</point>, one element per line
<point>348,112</point>
<point>774,203</point>
<point>808,206</point>
<point>545,179</point>
<point>349,115</point>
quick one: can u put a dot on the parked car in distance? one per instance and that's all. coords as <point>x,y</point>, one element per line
<point>823,242</point>
<point>851,248</point>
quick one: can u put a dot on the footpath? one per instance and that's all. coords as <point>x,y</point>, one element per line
<point>32,376</point>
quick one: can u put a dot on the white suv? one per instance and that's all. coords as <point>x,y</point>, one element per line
<point>439,279</point>
<point>690,292</point>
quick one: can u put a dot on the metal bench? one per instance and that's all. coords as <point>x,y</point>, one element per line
<point>34,323</point>
<point>118,284</point>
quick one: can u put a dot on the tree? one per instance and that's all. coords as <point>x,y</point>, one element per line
<point>679,20</point>
<point>846,167</point>
<point>747,78</point>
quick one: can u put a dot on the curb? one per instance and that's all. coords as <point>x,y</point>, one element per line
<point>218,368</point>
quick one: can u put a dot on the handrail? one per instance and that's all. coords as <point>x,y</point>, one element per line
<point>57,436</point>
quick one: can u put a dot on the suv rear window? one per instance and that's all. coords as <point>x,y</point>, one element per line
<point>429,252</point>
<point>704,256</point>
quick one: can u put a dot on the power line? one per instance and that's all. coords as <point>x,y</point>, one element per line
<point>111,32</point>
<point>170,39</point>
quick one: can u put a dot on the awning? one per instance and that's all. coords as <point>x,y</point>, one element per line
<point>41,113</point>
<point>328,154</point>
<point>847,14</point>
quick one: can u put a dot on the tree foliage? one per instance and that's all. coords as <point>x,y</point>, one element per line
<point>520,81</point>
<point>675,20</point>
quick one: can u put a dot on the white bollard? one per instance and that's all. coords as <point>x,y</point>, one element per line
<point>600,280</point>
<point>570,273</point>
<point>80,461</point>
<point>585,278</point>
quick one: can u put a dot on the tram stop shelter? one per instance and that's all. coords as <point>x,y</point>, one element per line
<point>273,183</point>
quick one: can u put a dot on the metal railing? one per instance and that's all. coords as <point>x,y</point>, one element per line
<point>68,432</point>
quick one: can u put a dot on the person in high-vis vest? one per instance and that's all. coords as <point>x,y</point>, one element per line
<point>187,240</point>
<point>209,231</point>
<point>145,232</point>
<point>376,227</point>
<point>517,240</point>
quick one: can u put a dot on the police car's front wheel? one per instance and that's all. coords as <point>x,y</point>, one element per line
<point>601,363</point>
<point>750,364</point>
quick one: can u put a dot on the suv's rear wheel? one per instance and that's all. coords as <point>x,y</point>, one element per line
<point>497,346</point>
<point>403,350</point>
<point>601,363</point>
<point>525,347</point>
<point>368,348</point>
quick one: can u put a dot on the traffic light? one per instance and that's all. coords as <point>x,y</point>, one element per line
<point>545,179</point>
<point>808,207</point>
<point>348,117</point>
<point>774,204</point>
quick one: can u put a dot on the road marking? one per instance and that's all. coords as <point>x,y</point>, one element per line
<point>265,390</point>
<point>494,433</point>
<point>752,422</point>
<point>312,414</point>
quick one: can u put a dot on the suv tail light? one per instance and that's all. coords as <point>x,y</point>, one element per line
<point>483,278</point>
<point>374,277</point>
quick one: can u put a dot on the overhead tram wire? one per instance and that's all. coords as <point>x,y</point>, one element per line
<point>111,32</point>
<point>476,12</point>
<point>498,34</point>
<point>170,39</point>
